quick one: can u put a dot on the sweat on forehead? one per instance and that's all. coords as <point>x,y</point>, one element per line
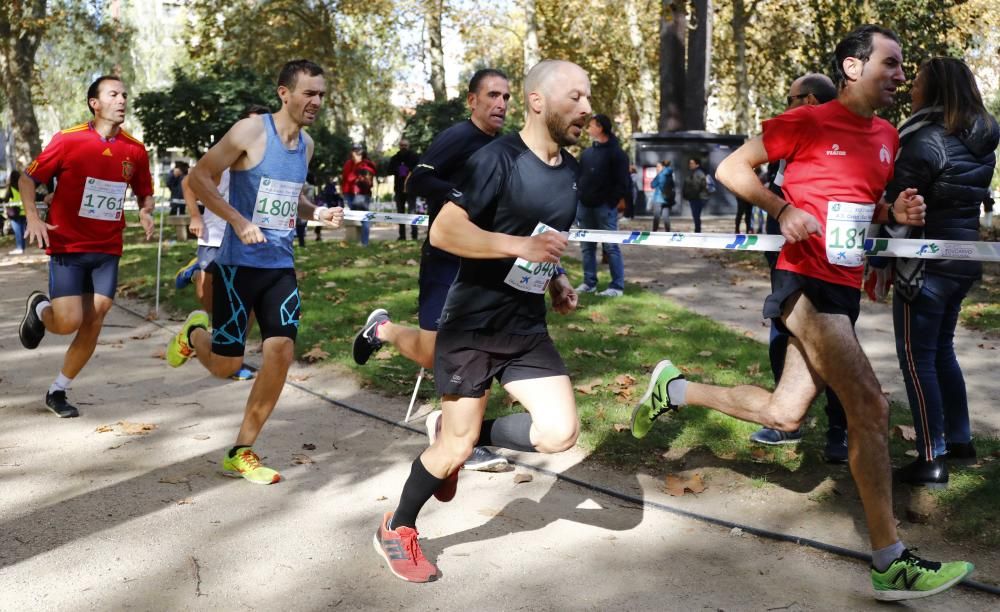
<point>542,74</point>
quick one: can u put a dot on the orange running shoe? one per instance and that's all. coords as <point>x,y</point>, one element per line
<point>402,553</point>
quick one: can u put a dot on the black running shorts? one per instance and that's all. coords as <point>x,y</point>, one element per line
<point>273,296</point>
<point>826,297</point>
<point>72,274</point>
<point>467,362</point>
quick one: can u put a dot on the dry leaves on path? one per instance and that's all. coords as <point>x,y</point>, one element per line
<point>315,354</point>
<point>127,428</point>
<point>575,327</point>
<point>905,432</point>
<point>678,485</point>
<point>598,317</point>
<point>588,387</point>
<point>302,459</point>
<point>624,330</point>
<point>521,477</point>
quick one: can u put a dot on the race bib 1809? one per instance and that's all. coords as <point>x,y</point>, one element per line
<point>102,200</point>
<point>530,276</point>
<point>846,224</point>
<point>276,204</point>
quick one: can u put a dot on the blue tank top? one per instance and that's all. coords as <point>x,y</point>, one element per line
<point>267,195</point>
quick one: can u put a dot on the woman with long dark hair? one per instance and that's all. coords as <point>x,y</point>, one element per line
<point>947,153</point>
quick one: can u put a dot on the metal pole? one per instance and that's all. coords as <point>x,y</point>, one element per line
<point>159,255</point>
<point>413,398</point>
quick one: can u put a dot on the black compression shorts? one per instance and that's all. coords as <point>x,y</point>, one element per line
<point>273,296</point>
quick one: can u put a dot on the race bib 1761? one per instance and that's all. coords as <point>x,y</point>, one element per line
<point>846,224</point>
<point>102,200</point>
<point>276,204</point>
<point>528,275</point>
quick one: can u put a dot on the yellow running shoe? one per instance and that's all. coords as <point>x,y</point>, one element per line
<point>245,463</point>
<point>178,349</point>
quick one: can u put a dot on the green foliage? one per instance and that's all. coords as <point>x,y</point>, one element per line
<point>197,110</point>
<point>330,152</point>
<point>430,119</point>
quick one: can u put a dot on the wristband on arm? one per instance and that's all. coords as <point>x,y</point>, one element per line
<point>782,211</point>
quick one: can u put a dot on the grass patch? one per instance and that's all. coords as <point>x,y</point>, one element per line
<point>981,308</point>
<point>970,502</point>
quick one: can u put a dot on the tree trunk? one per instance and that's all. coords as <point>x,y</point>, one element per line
<point>531,54</point>
<point>673,30</point>
<point>435,48</point>
<point>20,33</point>
<point>739,25</point>
<point>644,101</point>
<point>695,90</point>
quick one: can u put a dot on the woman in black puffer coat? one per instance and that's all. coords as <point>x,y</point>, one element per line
<point>948,153</point>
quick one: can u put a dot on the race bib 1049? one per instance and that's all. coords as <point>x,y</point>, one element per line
<point>846,225</point>
<point>530,276</point>
<point>276,204</point>
<point>102,200</point>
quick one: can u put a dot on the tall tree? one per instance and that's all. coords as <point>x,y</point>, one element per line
<point>531,54</point>
<point>641,103</point>
<point>743,11</point>
<point>22,25</point>
<point>433,15</point>
<point>699,57</point>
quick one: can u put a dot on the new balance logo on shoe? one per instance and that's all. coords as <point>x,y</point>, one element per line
<point>903,580</point>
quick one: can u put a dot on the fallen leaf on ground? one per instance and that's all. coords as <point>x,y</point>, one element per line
<point>104,429</point>
<point>185,501</point>
<point>381,498</point>
<point>141,336</point>
<point>575,327</point>
<point>705,354</point>
<point>620,427</point>
<point>136,429</point>
<point>201,437</point>
<point>598,317</point>
<point>758,454</point>
<point>159,353</point>
<point>411,262</point>
<point>588,388</point>
<point>299,377</point>
<point>580,351</point>
<point>315,354</point>
<point>174,480</point>
<point>522,477</point>
<point>753,369</point>
<point>662,316</point>
<point>308,447</point>
<point>677,485</point>
<point>329,285</point>
<point>624,330</point>
<point>301,459</point>
<point>152,316</point>
<point>625,379</point>
<point>609,351</point>
<point>905,432</point>
<point>911,453</point>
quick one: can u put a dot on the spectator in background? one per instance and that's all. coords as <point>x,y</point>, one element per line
<point>664,195</point>
<point>14,213</point>
<point>744,210</point>
<point>329,197</point>
<point>400,166</point>
<point>309,191</point>
<point>946,153</point>
<point>174,179</point>
<point>638,195</point>
<point>695,190</point>
<point>604,185</point>
<point>357,180</point>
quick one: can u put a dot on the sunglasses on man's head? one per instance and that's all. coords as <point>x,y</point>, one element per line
<point>790,99</point>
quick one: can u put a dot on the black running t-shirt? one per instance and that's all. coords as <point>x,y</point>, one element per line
<point>506,188</point>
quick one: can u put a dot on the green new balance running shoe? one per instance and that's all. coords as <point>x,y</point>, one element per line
<point>246,464</point>
<point>657,398</point>
<point>178,349</point>
<point>910,577</point>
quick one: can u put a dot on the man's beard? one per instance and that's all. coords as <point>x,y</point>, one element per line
<point>559,130</point>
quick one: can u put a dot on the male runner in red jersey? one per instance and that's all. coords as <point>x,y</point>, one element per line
<point>94,164</point>
<point>839,161</point>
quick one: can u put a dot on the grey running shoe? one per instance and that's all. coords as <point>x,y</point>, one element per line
<point>367,342</point>
<point>585,288</point>
<point>56,402</point>
<point>32,329</point>
<point>483,459</point>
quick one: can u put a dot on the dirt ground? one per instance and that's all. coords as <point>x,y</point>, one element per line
<point>121,519</point>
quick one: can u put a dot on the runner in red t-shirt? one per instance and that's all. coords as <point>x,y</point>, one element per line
<point>839,160</point>
<point>94,163</point>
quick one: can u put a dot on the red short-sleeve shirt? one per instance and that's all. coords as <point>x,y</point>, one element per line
<point>838,165</point>
<point>75,156</point>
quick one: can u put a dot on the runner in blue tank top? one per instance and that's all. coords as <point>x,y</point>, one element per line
<point>268,156</point>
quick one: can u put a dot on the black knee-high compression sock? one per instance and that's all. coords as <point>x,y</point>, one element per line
<point>418,489</point>
<point>512,431</point>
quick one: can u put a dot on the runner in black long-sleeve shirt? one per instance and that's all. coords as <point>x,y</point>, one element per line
<point>434,178</point>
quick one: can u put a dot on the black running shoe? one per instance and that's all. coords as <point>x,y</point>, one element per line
<point>56,401</point>
<point>367,342</point>
<point>32,329</point>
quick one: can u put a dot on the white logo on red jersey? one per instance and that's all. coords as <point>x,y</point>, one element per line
<point>835,151</point>
<point>885,156</point>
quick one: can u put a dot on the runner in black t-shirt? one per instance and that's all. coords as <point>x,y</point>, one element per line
<point>434,178</point>
<point>493,324</point>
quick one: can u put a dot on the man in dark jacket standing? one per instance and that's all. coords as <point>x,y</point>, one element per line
<point>695,190</point>
<point>604,182</point>
<point>400,166</point>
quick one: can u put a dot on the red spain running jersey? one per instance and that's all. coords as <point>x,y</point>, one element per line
<point>93,174</point>
<point>838,165</point>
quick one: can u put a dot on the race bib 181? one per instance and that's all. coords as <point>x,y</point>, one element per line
<point>530,276</point>
<point>846,225</point>
<point>102,200</point>
<point>276,204</point>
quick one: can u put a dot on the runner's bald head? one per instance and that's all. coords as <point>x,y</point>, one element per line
<point>541,76</point>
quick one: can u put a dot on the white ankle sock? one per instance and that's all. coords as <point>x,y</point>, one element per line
<point>61,383</point>
<point>677,389</point>
<point>42,306</point>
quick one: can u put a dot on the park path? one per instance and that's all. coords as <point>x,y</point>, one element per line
<point>94,519</point>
